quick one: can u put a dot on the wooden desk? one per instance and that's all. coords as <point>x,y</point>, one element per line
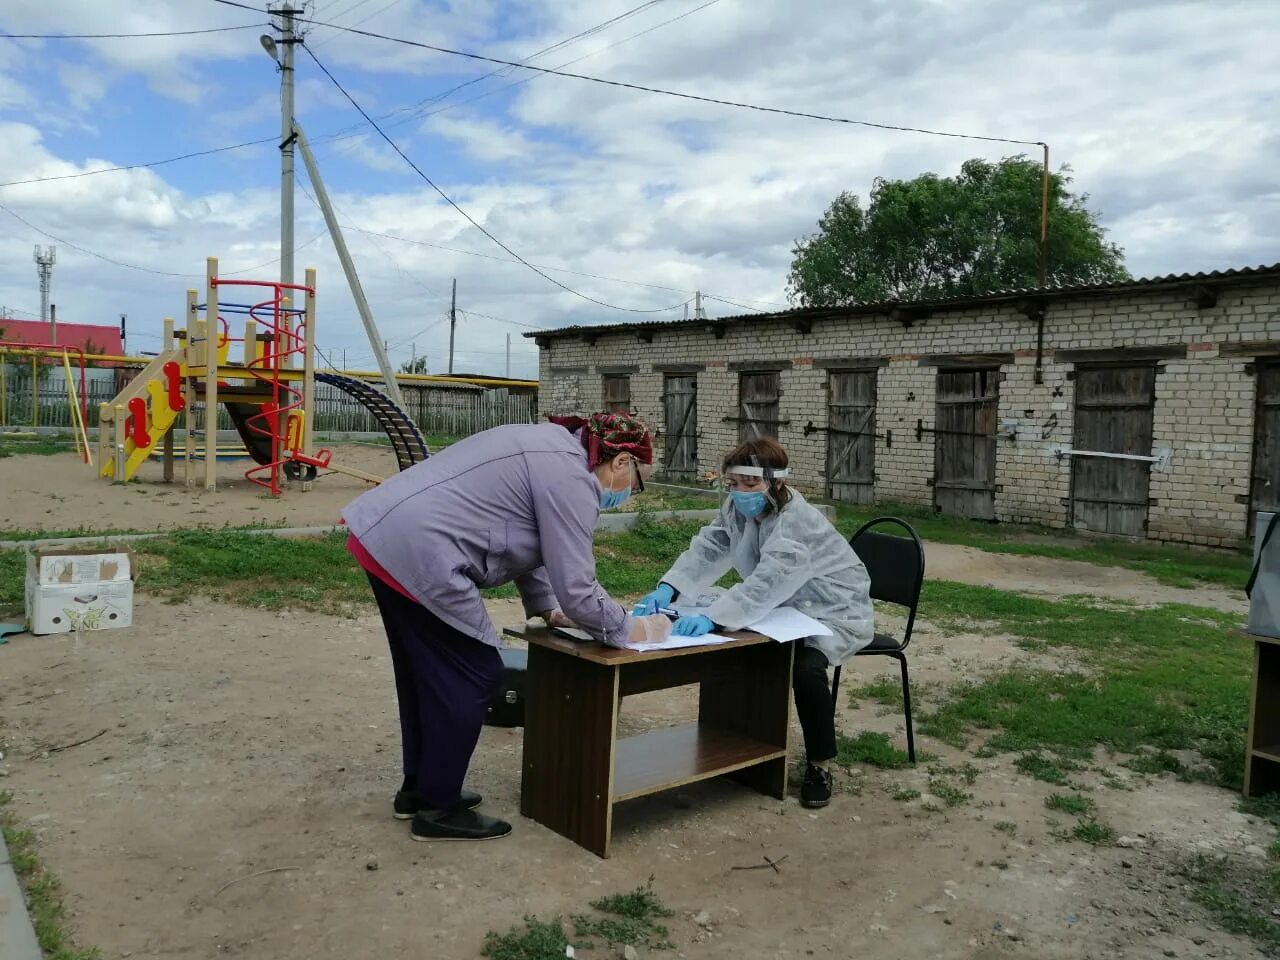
<point>1262,748</point>
<point>575,769</point>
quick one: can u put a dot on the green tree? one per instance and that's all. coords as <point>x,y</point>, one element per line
<point>417,365</point>
<point>935,237</point>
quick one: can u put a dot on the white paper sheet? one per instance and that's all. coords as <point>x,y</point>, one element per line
<point>675,643</point>
<point>786,623</point>
<point>783,624</point>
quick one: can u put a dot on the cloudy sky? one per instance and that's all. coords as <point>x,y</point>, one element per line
<point>1166,112</point>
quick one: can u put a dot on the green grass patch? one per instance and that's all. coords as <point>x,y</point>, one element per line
<point>536,940</point>
<point>874,749</point>
<point>42,889</point>
<point>906,795</point>
<point>1005,826</point>
<point>885,690</point>
<point>632,918</point>
<point>1155,762</point>
<point>1071,803</point>
<point>42,446</point>
<point>628,918</point>
<point>1050,769</point>
<point>1173,677</point>
<point>948,792</point>
<point>1236,897</point>
<point>1169,564</point>
<point>1095,833</point>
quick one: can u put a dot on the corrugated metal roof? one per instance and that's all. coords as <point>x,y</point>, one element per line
<point>103,338</point>
<point>1210,278</point>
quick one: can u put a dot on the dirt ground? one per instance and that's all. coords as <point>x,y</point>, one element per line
<point>61,493</point>
<point>226,742</point>
<point>234,741</point>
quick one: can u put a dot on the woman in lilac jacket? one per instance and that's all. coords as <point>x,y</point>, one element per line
<point>516,503</point>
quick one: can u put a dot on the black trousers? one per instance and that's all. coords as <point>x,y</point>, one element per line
<point>814,705</point>
<point>444,682</point>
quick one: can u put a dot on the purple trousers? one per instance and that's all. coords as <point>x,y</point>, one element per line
<point>444,682</point>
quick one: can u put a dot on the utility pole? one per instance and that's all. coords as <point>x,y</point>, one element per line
<point>413,357</point>
<point>289,38</point>
<point>123,336</point>
<point>698,312</point>
<point>453,321</point>
<point>44,269</point>
<point>349,268</point>
<point>508,356</point>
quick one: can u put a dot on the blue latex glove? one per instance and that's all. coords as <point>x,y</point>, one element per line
<point>692,626</point>
<point>650,602</point>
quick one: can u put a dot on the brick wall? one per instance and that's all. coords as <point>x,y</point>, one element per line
<point>1203,412</point>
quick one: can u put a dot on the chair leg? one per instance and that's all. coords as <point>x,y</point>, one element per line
<point>906,707</point>
<point>835,685</point>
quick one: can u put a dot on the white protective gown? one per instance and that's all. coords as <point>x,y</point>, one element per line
<point>793,557</point>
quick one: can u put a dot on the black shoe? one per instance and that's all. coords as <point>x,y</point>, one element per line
<point>816,790</point>
<point>407,803</point>
<point>458,825</point>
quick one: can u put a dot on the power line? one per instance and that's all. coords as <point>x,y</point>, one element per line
<point>516,83</point>
<point>138,166</point>
<point>413,108</point>
<point>449,200</point>
<point>658,90</point>
<point>125,36</point>
<point>133,266</point>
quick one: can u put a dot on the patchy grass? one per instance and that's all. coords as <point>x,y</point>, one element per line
<point>1095,833</point>
<point>885,690</point>
<point>536,940</point>
<point>948,792</point>
<point>1050,769</point>
<point>254,570</point>
<point>1172,565</point>
<point>1170,678</point>
<point>1072,803</point>
<point>1005,826</point>
<point>42,889</point>
<point>630,918</point>
<point>874,749</point>
<point>20,445</point>
<point>1236,896</point>
<point>905,795</point>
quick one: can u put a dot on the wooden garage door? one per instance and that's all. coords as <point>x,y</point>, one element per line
<point>1264,490</point>
<point>964,443</point>
<point>758,394</point>
<point>680,405</point>
<point>1113,415</point>
<point>851,442</point>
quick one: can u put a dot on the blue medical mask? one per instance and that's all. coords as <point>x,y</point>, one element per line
<point>748,504</point>
<point>613,498</point>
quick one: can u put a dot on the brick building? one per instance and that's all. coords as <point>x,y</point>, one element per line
<point>1146,408</point>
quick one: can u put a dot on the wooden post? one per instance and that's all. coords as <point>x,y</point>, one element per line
<point>189,390</point>
<point>250,345</point>
<point>168,434</point>
<point>309,367</point>
<point>212,331</point>
<point>118,454</point>
<point>104,436</point>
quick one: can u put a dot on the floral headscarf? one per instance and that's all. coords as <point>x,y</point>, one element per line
<point>605,435</point>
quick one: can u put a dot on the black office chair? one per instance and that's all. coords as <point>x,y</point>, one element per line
<point>896,566</point>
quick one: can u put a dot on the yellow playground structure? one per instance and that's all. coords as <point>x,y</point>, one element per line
<point>269,397</point>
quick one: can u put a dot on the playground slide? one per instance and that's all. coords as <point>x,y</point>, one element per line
<point>406,441</point>
<point>258,445</point>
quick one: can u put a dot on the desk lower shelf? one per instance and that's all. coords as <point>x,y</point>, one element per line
<point>675,756</point>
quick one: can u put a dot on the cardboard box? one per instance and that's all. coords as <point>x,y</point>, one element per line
<point>79,589</point>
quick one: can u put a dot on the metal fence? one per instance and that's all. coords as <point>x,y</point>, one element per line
<point>436,410</point>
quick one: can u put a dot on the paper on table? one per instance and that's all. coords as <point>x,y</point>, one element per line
<point>782,623</point>
<point>786,623</point>
<point>675,643</point>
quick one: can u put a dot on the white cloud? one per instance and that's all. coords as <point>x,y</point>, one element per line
<point>1164,111</point>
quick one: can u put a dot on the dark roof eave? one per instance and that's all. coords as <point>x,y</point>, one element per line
<point>1120,288</point>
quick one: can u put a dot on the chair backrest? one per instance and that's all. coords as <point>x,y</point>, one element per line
<point>894,563</point>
